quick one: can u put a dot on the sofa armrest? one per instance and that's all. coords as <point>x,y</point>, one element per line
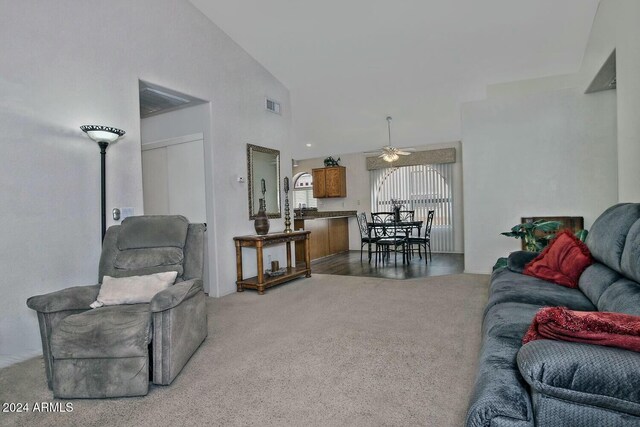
<point>174,295</point>
<point>75,298</point>
<point>517,260</point>
<point>586,374</point>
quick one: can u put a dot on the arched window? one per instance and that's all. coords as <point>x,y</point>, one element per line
<point>419,188</point>
<point>303,191</point>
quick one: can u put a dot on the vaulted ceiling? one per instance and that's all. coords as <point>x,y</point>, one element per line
<point>350,63</point>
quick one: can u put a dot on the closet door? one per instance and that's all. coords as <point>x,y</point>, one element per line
<point>173,178</point>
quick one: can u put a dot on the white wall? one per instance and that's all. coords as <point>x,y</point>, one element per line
<point>551,153</point>
<point>616,27</point>
<point>61,68</point>
<point>515,119</point>
<point>359,190</point>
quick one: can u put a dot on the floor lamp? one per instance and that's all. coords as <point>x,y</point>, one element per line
<point>103,135</point>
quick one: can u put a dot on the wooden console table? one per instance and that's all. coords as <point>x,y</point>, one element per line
<point>262,281</point>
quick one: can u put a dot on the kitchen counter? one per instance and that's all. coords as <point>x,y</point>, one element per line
<point>329,236</point>
<point>324,214</point>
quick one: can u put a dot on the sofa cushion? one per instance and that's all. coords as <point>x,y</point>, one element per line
<point>149,257</point>
<point>595,280</point>
<point>141,262</point>
<point>132,289</point>
<point>500,393</point>
<point>507,286</point>
<point>562,262</point>
<point>153,231</point>
<point>630,261</point>
<point>591,375</point>
<point>622,296</point>
<point>552,411</point>
<point>114,331</point>
<point>518,260</point>
<point>608,234</point>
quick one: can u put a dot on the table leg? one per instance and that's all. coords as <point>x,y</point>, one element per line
<point>369,244</point>
<point>307,256</point>
<point>260,268</point>
<point>239,267</point>
<point>289,254</point>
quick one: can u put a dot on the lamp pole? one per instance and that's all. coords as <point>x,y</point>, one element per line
<point>103,135</point>
<point>103,186</point>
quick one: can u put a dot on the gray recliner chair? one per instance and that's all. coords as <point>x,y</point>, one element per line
<point>106,351</point>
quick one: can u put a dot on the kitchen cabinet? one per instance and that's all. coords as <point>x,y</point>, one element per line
<point>329,182</point>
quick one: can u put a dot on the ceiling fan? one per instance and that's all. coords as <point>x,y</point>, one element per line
<point>390,153</point>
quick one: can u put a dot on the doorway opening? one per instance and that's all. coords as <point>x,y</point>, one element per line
<point>175,134</point>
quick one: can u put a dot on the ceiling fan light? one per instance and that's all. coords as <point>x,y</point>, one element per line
<point>390,157</point>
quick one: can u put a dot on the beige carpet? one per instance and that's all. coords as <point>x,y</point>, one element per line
<point>329,350</point>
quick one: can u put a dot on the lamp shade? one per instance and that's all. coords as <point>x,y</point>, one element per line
<point>390,157</point>
<point>101,133</point>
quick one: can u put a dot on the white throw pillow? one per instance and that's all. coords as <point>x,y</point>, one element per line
<point>132,289</point>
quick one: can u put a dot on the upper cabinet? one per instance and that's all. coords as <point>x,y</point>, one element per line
<point>330,182</point>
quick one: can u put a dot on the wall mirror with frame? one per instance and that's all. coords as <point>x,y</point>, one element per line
<point>263,170</point>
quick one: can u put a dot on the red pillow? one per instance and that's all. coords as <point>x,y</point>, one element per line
<point>562,262</point>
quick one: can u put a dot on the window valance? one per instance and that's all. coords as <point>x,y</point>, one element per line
<point>428,157</point>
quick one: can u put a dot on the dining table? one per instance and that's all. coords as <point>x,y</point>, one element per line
<point>406,226</point>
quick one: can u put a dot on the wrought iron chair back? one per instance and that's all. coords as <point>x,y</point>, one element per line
<point>362,224</point>
<point>407,215</point>
<point>381,218</point>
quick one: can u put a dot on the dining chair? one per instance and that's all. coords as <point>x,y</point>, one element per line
<point>407,215</point>
<point>381,217</point>
<point>393,236</point>
<point>424,240</point>
<point>365,237</point>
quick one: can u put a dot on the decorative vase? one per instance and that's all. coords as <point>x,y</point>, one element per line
<point>261,222</point>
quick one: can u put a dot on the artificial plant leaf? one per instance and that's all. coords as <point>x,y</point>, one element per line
<point>548,226</point>
<point>511,234</point>
<point>582,235</point>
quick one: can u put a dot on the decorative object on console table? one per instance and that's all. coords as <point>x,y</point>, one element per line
<point>261,223</point>
<point>287,212</point>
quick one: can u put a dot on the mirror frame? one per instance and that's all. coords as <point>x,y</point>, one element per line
<point>250,177</point>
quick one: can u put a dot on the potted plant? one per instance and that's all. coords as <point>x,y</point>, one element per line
<point>397,205</point>
<point>535,235</point>
<point>331,162</point>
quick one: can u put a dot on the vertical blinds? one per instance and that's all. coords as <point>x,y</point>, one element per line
<point>421,189</point>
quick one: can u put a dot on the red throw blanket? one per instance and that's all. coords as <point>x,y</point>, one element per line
<point>601,328</point>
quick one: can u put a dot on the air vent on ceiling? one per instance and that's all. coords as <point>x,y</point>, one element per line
<point>157,100</point>
<point>273,106</point>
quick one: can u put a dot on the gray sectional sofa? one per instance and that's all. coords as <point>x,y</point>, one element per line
<point>556,383</point>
